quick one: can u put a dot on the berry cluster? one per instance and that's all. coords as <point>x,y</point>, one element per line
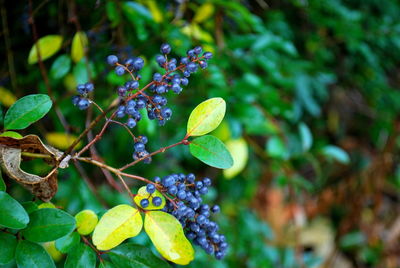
<point>188,208</point>
<point>81,100</point>
<point>140,149</point>
<point>174,77</point>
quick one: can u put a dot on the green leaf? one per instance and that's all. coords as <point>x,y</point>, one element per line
<point>336,153</point>
<point>204,12</point>
<point>48,46</point>
<point>80,72</point>
<point>131,8</point>
<point>306,136</point>
<point>11,134</point>
<point>12,214</point>
<point>142,194</point>
<point>2,183</point>
<point>30,206</point>
<point>135,256</point>
<point>8,244</point>
<point>211,151</point>
<point>79,45</point>
<point>206,117</point>
<point>106,264</point>
<point>32,255</point>
<point>68,242</point>
<point>116,225</point>
<point>60,67</point>
<point>48,224</point>
<point>276,148</point>
<point>26,111</point>
<point>240,154</point>
<point>81,256</point>
<point>112,13</point>
<point>166,233</point>
<point>86,221</point>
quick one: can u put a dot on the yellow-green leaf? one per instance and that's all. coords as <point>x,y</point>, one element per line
<point>142,194</point>
<point>11,134</point>
<point>61,140</point>
<point>240,154</point>
<point>116,225</point>
<point>154,10</point>
<point>166,233</point>
<point>86,221</point>
<point>47,205</point>
<point>6,97</point>
<point>48,46</point>
<point>54,253</point>
<point>79,45</point>
<point>204,12</point>
<point>206,117</point>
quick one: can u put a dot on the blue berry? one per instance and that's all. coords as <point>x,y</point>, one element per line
<point>198,184</point>
<point>203,64</point>
<point>157,77</point>
<point>160,59</point>
<point>83,104</point>
<point>157,179</point>
<point>215,209</point>
<point>139,147</point>
<point>138,63</point>
<point>119,70</point>
<point>144,203</point>
<point>165,48</point>
<point>143,139</point>
<point>121,91</point>
<point>207,181</point>
<point>184,81</point>
<point>75,100</point>
<point>166,113</point>
<point>191,67</point>
<point>150,188</point>
<point>81,89</point>
<point>197,50</point>
<point>112,59</point>
<point>185,60</point>
<point>161,90</point>
<point>157,201</point>
<point>89,87</point>
<point>203,190</point>
<point>207,55</point>
<point>172,190</point>
<point>181,194</point>
<point>168,181</point>
<point>191,53</point>
<point>131,123</point>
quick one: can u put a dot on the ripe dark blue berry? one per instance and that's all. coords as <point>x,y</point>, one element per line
<point>157,201</point>
<point>144,203</point>
<point>165,48</point>
<point>160,59</point>
<point>215,209</point>
<point>83,104</point>
<point>139,147</point>
<point>207,55</point>
<point>157,77</point>
<point>131,123</point>
<point>138,63</point>
<point>119,70</point>
<point>197,50</point>
<point>112,59</point>
<point>150,188</point>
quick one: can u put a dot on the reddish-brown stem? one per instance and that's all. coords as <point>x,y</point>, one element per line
<point>125,185</point>
<point>87,242</point>
<point>98,136</point>
<point>161,150</point>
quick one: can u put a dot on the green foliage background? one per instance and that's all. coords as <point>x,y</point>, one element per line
<point>312,86</point>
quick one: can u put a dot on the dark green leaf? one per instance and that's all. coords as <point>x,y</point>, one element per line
<point>107,264</point>
<point>211,151</point>
<point>60,67</point>
<point>306,136</point>
<point>26,111</point>
<point>81,256</point>
<point>136,10</point>
<point>30,206</point>
<point>8,243</point>
<point>32,255</point>
<point>113,14</point>
<point>2,183</point>
<point>12,214</point>
<point>68,242</point>
<point>48,224</point>
<point>137,256</point>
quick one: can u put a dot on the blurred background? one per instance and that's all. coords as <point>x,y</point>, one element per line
<point>313,99</point>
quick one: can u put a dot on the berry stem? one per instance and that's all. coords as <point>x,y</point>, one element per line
<point>161,150</point>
